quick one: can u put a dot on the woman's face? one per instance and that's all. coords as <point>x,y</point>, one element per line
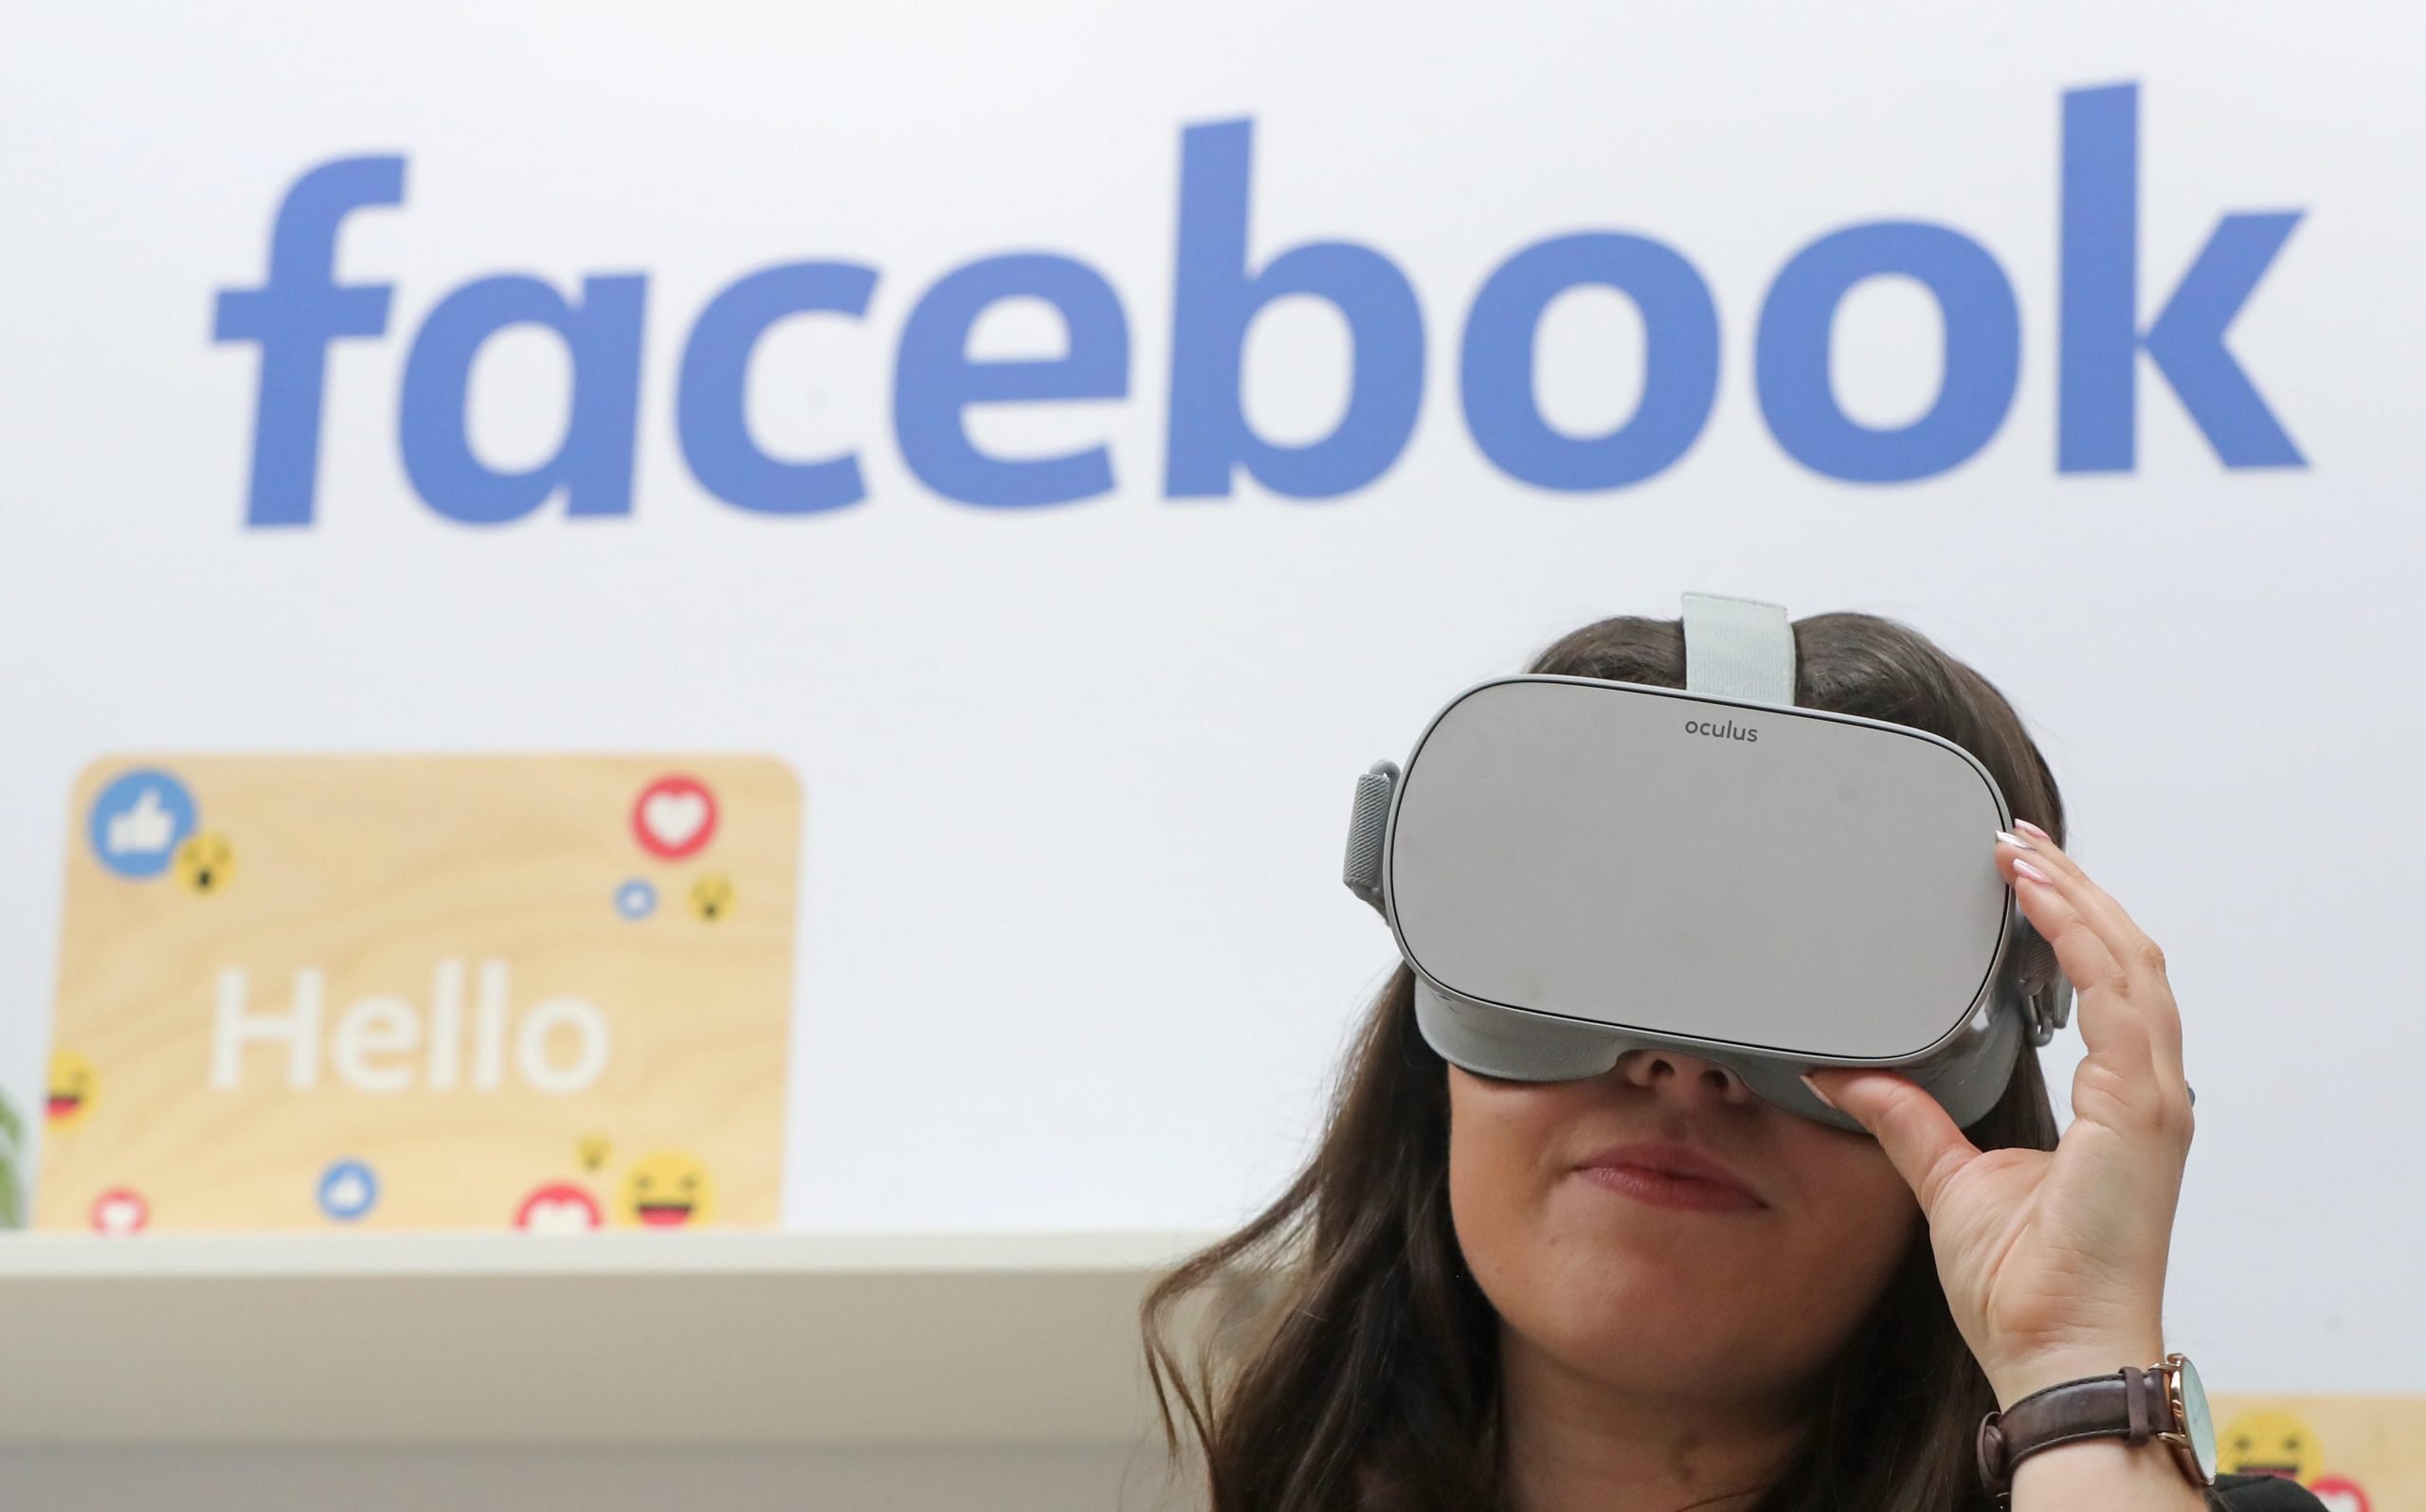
<point>1596,1269</point>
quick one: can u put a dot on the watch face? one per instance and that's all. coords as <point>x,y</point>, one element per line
<point>2196,1422</point>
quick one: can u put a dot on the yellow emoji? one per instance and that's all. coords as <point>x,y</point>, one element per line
<point>667,1190</point>
<point>592,1150</point>
<point>711,897</point>
<point>205,864</point>
<point>73,1087</point>
<point>2268,1442</point>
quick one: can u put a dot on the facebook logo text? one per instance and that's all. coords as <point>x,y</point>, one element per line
<point>1217,291</point>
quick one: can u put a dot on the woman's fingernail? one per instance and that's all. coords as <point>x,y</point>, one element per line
<point>2031,872</point>
<point>2015,840</point>
<point>2027,828</point>
<point>1815,1091</point>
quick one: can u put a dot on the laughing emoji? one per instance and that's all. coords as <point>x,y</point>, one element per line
<point>2267,1442</point>
<point>72,1089</point>
<point>666,1190</point>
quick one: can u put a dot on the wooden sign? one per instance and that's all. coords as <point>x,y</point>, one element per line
<point>12,1146</point>
<point>2356,1453</point>
<point>375,991</point>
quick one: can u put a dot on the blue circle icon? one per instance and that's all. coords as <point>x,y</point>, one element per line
<point>635,899</point>
<point>348,1190</point>
<point>139,820</point>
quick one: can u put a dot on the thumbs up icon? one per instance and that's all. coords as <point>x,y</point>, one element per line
<point>143,830</point>
<point>139,820</point>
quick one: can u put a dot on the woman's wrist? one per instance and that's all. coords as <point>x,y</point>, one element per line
<point>2074,1360</point>
<point>2106,1472</point>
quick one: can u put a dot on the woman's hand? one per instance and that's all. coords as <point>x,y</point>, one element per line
<point>2053,1262</point>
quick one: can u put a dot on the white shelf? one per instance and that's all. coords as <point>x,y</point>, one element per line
<point>629,1339</point>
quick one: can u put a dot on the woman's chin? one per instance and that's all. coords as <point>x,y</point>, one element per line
<point>1614,1230</point>
<point>1634,1291</point>
<point>1647,1351</point>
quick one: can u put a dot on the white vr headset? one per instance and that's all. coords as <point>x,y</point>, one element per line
<point>1574,868</point>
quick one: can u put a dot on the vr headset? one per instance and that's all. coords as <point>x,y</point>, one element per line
<point>1574,868</point>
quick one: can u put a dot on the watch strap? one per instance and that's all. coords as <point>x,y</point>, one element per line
<point>2132,1404</point>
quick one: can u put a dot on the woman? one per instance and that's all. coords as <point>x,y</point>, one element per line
<point>1442,1311</point>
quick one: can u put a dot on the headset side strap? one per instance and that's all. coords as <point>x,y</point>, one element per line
<point>1367,823</point>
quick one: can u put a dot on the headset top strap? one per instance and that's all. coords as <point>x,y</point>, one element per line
<point>1738,648</point>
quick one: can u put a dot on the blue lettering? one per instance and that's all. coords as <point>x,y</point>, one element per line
<point>1679,363</point>
<point>935,381</point>
<point>296,313</point>
<point>1214,301</point>
<point>592,464</point>
<point>1983,353</point>
<point>2099,342</point>
<point>711,416</point>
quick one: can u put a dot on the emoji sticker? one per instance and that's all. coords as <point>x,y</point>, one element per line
<point>118,1212</point>
<point>139,822</point>
<point>635,899</point>
<point>2338,1494</point>
<point>711,897</point>
<point>2269,1442</point>
<point>348,1190</point>
<point>593,1151</point>
<point>674,818</point>
<point>559,1207</point>
<point>205,864</point>
<point>73,1087</point>
<point>666,1190</point>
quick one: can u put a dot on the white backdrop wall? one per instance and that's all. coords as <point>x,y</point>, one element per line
<point>1073,949</point>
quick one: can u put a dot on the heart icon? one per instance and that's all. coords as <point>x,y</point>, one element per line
<point>558,1208</point>
<point>674,817</point>
<point>119,1212</point>
<point>2338,1494</point>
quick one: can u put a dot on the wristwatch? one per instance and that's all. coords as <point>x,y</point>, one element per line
<point>2162,1401</point>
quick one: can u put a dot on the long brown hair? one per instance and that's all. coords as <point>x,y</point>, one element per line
<point>1345,1360</point>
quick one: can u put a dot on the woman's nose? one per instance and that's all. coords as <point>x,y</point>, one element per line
<point>1673,1074</point>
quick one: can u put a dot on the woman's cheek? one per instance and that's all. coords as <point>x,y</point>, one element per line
<point>1494,1176</point>
<point>1857,1218</point>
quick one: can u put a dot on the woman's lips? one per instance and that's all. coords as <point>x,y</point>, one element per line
<point>1662,1190</point>
<point>1670,1175</point>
